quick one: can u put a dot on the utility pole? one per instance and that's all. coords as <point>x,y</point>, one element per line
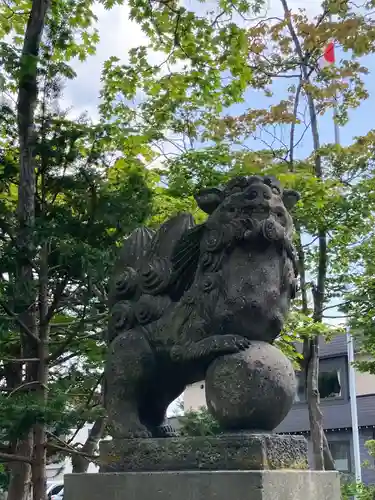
<point>350,341</point>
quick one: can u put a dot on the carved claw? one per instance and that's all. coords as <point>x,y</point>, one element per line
<point>132,431</point>
<point>142,434</point>
<point>165,431</point>
<point>228,344</point>
<point>216,345</point>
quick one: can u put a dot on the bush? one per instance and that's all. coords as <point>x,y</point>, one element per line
<point>199,423</point>
<point>360,491</point>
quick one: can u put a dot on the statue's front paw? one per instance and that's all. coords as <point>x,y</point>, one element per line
<point>234,343</point>
<point>132,431</point>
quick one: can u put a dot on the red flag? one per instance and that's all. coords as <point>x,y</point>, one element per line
<point>328,56</point>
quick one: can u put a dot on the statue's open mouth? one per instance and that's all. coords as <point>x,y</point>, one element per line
<point>260,213</point>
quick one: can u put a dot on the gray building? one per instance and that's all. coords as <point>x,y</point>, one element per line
<point>335,407</point>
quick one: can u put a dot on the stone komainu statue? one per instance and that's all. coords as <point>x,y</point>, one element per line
<point>186,294</point>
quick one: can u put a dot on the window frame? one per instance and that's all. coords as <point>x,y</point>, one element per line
<point>346,442</point>
<point>337,363</point>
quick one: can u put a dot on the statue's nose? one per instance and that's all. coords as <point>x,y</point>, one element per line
<point>258,192</point>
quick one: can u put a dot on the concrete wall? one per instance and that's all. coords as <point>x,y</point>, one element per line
<point>365,382</point>
<point>194,397</point>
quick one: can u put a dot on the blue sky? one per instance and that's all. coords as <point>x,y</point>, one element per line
<point>361,119</point>
<point>118,35</point>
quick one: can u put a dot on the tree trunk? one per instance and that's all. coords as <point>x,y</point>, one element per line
<point>329,463</point>
<point>26,293</point>
<point>79,462</point>
<point>311,346</point>
<point>40,437</point>
<point>20,472</point>
<point>313,402</point>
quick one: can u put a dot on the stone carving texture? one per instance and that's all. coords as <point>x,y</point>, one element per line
<point>239,451</point>
<point>187,294</point>
<point>253,389</point>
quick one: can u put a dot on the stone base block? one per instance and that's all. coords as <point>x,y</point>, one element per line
<point>204,485</point>
<point>226,452</point>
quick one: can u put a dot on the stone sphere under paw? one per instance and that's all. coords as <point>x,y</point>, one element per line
<point>251,390</point>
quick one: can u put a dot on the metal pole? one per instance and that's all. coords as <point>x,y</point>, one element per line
<point>351,373</point>
<point>350,352</point>
<point>353,407</point>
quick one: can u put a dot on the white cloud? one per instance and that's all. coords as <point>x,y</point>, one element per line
<point>117,36</point>
<point>312,7</point>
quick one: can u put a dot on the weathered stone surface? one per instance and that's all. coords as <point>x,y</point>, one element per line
<point>253,389</point>
<point>187,294</point>
<point>227,452</point>
<point>220,485</point>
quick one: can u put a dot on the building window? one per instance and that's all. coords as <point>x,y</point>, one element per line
<point>329,384</point>
<point>341,455</point>
<point>301,391</point>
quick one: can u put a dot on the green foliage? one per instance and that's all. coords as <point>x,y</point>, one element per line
<point>350,488</point>
<point>360,305</point>
<point>20,411</point>
<point>213,57</point>
<point>4,478</point>
<point>86,204</point>
<point>92,189</point>
<point>370,445</point>
<point>359,491</point>
<point>199,423</point>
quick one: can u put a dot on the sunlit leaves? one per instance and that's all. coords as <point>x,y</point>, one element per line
<point>199,423</point>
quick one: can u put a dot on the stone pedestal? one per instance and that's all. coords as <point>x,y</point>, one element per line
<point>240,451</point>
<point>229,467</point>
<point>204,485</point>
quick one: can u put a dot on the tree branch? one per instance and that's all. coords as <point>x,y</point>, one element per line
<point>18,320</point>
<point>72,451</point>
<point>25,385</point>
<point>293,126</point>
<point>79,462</point>
<point>56,298</point>
<point>8,457</point>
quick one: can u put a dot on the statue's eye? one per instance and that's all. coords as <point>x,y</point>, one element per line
<point>280,214</point>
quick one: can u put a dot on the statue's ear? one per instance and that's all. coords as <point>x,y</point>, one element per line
<point>209,199</point>
<point>290,198</point>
